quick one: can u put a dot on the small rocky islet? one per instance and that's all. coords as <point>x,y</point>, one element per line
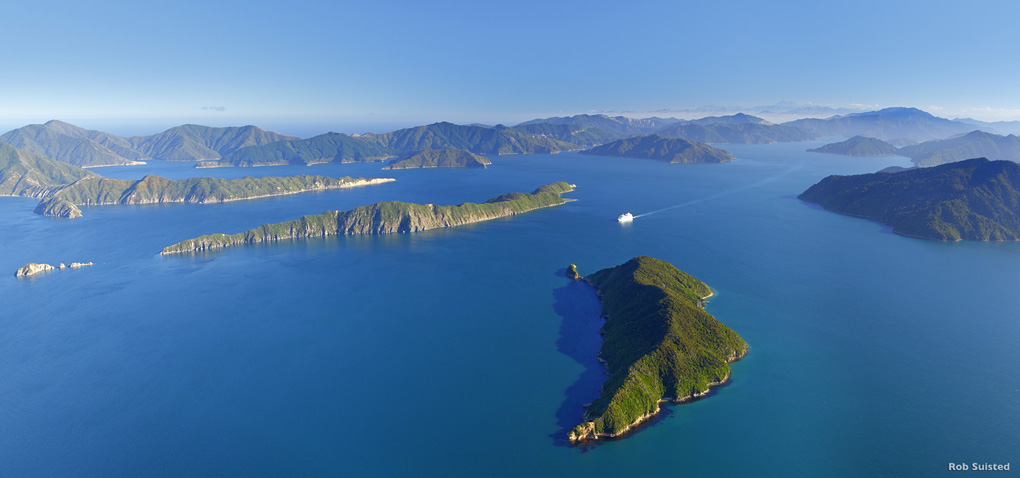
<point>33,268</point>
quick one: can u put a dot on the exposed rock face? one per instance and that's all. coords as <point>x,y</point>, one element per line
<point>32,268</point>
<point>572,272</point>
<point>56,207</point>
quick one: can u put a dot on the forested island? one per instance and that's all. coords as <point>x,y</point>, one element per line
<point>976,199</point>
<point>659,345</point>
<point>383,218</point>
<point>439,158</point>
<point>858,146</point>
<point>662,148</point>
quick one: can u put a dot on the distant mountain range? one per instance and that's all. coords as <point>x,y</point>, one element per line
<point>976,144</point>
<point>252,146</point>
<point>615,126</point>
<point>886,124</point>
<point>976,199</point>
<point>736,133</point>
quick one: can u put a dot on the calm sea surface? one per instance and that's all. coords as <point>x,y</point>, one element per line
<point>465,351</point>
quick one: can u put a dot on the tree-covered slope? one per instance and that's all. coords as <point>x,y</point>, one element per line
<point>976,199</point>
<point>73,145</point>
<point>476,139</point>
<point>195,142</point>
<point>325,148</point>
<point>736,133</point>
<point>570,133</point>
<point>439,158</point>
<point>659,344</point>
<point>858,146</point>
<point>383,218</point>
<point>23,173</point>
<point>671,150</point>
<point>976,144</point>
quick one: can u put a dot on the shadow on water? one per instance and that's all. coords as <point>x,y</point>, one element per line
<point>580,340</point>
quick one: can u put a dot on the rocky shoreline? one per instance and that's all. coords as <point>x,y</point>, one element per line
<point>33,268</point>
<point>638,384</point>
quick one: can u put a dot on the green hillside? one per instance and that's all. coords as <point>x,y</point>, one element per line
<point>659,345</point>
<point>670,150</point>
<point>976,200</point>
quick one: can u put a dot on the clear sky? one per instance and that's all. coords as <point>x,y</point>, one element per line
<point>376,63</point>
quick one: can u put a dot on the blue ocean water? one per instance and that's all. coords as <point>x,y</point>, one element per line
<point>465,351</point>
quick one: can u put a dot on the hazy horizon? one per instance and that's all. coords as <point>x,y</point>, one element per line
<point>404,63</point>
<point>312,126</point>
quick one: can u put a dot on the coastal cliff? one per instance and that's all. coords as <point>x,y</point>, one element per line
<point>32,269</point>
<point>659,345</point>
<point>383,218</point>
<point>56,207</point>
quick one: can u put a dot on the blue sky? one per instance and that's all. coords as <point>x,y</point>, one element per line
<point>381,63</point>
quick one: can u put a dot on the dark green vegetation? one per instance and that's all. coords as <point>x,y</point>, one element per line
<point>341,148</point>
<point>738,133</point>
<point>971,145</point>
<point>325,148</point>
<point>671,150</point>
<point>192,142</point>
<point>23,173</point>
<point>155,189</point>
<point>976,199</point>
<point>886,124</point>
<point>659,345</point>
<point>56,207</point>
<point>70,144</point>
<point>383,218</point>
<point>858,146</point>
<point>570,133</point>
<point>439,158</point>
<point>498,140</point>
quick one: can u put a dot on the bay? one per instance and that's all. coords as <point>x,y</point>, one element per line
<point>465,351</point>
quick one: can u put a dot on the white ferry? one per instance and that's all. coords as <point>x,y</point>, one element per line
<point>626,217</point>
